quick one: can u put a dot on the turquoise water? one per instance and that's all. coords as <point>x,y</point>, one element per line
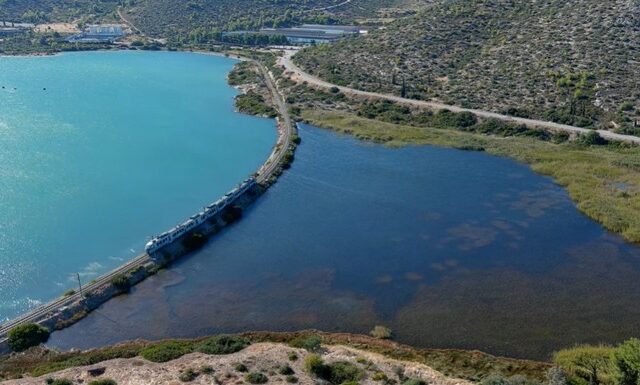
<point>100,150</point>
<point>450,249</point>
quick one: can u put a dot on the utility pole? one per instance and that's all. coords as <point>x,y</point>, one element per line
<point>80,285</point>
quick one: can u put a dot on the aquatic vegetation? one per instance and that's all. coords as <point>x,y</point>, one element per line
<point>588,172</point>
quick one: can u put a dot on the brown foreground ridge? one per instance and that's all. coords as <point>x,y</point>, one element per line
<point>264,357</point>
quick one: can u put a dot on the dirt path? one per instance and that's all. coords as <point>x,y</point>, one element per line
<point>300,75</point>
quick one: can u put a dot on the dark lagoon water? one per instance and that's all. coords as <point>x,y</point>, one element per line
<point>448,248</point>
<point>100,150</point>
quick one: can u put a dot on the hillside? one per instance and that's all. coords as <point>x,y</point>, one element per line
<point>166,18</point>
<point>574,62</point>
<point>216,360</point>
<point>43,11</point>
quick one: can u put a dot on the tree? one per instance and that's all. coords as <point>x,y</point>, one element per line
<point>591,364</point>
<point>626,360</point>
<point>25,336</point>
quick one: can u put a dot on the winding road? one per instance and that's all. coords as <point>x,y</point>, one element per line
<point>301,76</point>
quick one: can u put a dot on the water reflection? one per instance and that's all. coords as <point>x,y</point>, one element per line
<point>448,248</point>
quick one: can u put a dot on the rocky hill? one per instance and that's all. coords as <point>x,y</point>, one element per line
<point>167,18</point>
<point>43,11</point>
<point>265,357</point>
<point>574,62</point>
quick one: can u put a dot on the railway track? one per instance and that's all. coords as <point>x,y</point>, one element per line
<point>41,313</point>
<point>284,141</point>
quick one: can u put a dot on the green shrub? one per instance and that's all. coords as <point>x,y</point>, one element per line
<point>58,381</point>
<point>292,379</point>
<point>256,378</point>
<point>25,336</point>
<point>314,365</point>
<point>207,370</point>
<point>285,370</point>
<point>343,371</point>
<point>188,375</point>
<point>586,363</point>
<point>222,344</point>
<point>381,332</point>
<point>379,376</point>
<point>121,283</point>
<point>311,343</point>
<point>103,381</point>
<point>166,351</point>
<point>293,356</point>
<point>591,139</point>
<point>336,373</point>
<point>626,359</point>
<point>240,367</point>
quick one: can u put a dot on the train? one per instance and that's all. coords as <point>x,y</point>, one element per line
<point>168,237</point>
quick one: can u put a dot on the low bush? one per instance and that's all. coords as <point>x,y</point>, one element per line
<point>381,332</point>
<point>256,378</point>
<point>166,351</point>
<point>188,375</point>
<point>222,344</point>
<point>285,370</point>
<point>103,381</point>
<point>336,373</point>
<point>314,365</point>
<point>293,356</point>
<point>240,367</point>
<point>207,370</point>
<point>591,139</point>
<point>626,360</point>
<point>292,379</point>
<point>25,336</point>
<point>121,283</point>
<point>58,381</point>
<point>342,371</point>
<point>310,343</point>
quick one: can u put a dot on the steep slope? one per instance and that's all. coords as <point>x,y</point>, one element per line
<point>574,62</point>
<point>167,17</point>
<point>40,11</point>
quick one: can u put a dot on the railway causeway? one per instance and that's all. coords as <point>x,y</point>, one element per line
<point>64,311</point>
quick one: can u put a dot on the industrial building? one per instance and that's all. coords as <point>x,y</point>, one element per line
<point>98,33</point>
<point>314,33</point>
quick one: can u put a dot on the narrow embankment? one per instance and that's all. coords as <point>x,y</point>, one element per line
<point>64,311</point>
<point>301,76</point>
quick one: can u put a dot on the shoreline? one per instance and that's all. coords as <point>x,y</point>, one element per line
<point>64,311</point>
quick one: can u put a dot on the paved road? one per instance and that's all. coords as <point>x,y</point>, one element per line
<point>329,7</point>
<point>300,75</point>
